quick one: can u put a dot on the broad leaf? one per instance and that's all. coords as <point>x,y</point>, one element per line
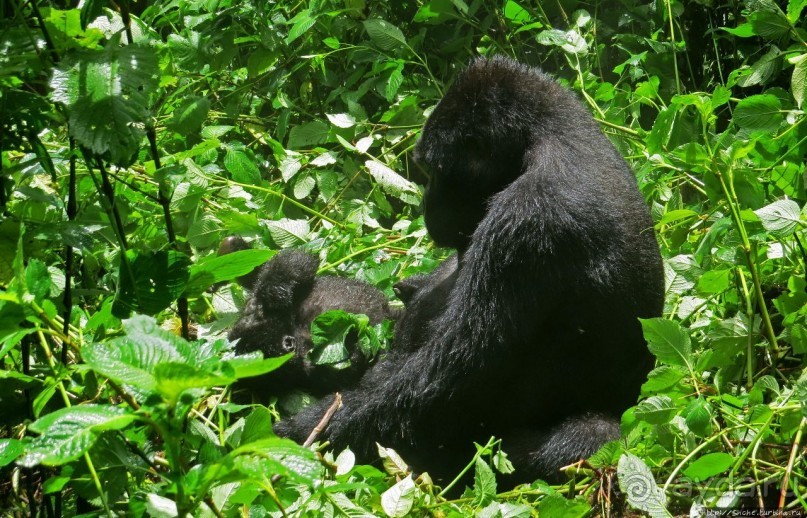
<point>781,218</point>
<point>759,113</point>
<point>484,483</point>
<point>107,97</point>
<point>397,501</point>
<point>708,466</point>
<point>656,410</point>
<point>384,34</point>
<point>667,340</point>
<point>149,282</point>
<point>214,269</point>
<point>393,183</point>
<point>68,433</point>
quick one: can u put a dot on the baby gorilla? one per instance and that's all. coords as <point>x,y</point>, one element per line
<point>286,296</point>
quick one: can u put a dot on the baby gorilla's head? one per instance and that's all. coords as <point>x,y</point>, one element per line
<point>286,296</point>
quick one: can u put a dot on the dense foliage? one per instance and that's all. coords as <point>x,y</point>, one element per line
<point>135,136</point>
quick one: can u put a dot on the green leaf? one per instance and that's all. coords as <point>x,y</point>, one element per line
<point>289,167</point>
<point>241,166</point>
<point>637,483</point>
<point>570,41</point>
<point>393,83</point>
<point>668,341</point>
<point>698,417</point>
<point>800,391</point>
<point>720,96</point>
<point>507,510</point>
<point>341,120</point>
<point>763,70</point>
<point>253,364</point>
<point>484,483</point>
<point>107,98</point>
<point>708,466</point>
<point>213,133</point>
<point>261,61</point>
<point>436,11</point>
<point>345,462</point>
<point>68,433</point>
<point>213,269</point>
<point>301,23</point>
<point>769,22</point>
<point>502,463</point>
<point>781,218</point>
<point>174,378</point>
<point>759,113</point>
<point>393,463</point>
<point>289,232</point>
<point>798,82</point>
<point>663,128</point>
<point>515,13</point>
<point>763,384</point>
<point>303,185</point>
<point>385,35</point>
<point>744,30</point>
<point>656,409</point>
<point>307,135</point>
<point>189,115</point>
<point>204,232</point>
<point>677,215</point>
<point>607,455</point>
<point>715,281</point>
<point>794,8</point>
<point>556,505</point>
<point>397,501</point>
<point>10,449</point>
<point>262,459</point>
<point>149,282</point>
<point>159,506</point>
<point>257,426</point>
<point>37,279</point>
<point>392,183</point>
<point>132,359</point>
<point>328,333</point>
<point>662,378</point>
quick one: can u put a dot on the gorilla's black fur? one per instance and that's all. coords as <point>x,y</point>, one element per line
<point>537,334</point>
<point>425,297</point>
<point>286,296</point>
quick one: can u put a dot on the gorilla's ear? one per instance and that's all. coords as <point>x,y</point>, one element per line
<point>286,278</point>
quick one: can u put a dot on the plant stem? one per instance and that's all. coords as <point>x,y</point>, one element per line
<point>165,202</point>
<point>794,450</point>
<point>748,249</point>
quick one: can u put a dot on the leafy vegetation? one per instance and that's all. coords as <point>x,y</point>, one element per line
<point>135,136</point>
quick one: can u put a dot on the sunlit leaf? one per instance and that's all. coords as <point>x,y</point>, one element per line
<point>384,34</point>
<point>397,501</point>
<point>69,432</point>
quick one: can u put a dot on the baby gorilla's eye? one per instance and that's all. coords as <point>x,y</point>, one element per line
<point>288,344</point>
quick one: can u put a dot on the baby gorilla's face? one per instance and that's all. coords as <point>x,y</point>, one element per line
<point>277,332</point>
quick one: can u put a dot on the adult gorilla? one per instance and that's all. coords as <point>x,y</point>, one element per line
<point>539,336</point>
